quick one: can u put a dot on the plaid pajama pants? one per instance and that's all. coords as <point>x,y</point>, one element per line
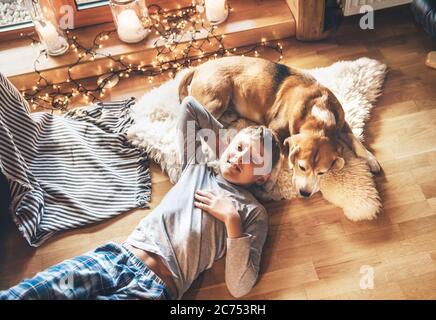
<point>109,272</point>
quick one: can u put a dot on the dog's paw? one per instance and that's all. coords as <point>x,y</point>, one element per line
<point>362,213</point>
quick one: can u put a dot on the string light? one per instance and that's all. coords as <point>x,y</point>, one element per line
<point>173,53</point>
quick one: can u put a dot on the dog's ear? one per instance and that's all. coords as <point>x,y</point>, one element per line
<point>340,148</point>
<point>287,145</point>
<point>339,163</point>
<point>291,143</point>
<point>292,156</point>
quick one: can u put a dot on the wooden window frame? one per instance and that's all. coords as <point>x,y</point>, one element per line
<point>82,18</point>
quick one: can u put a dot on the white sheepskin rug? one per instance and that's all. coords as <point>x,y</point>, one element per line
<point>356,84</point>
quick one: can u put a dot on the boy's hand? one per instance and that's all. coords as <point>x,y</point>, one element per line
<point>222,208</point>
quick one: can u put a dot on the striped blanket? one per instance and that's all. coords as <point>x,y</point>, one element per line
<point>68,171</point>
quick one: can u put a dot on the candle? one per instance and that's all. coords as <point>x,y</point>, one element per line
<point>51,38</point>
<point>129,27</point>
<point>216,11</point>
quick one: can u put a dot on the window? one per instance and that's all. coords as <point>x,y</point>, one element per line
<point>13,14</point>
<point>87,4</point>
<point>14,18</point>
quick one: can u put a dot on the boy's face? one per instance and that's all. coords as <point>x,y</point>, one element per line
<point>245,161</point>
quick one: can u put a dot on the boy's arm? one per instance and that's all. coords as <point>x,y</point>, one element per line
<point>194,121</point>
<point>244,255</point>
<point>244,243</point>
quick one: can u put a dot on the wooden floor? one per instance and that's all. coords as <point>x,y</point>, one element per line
<point>312,250</point>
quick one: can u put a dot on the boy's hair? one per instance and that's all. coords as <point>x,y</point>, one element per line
<point>264,133</point>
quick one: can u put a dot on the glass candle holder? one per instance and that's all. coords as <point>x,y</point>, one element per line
<point>47,26</point>
<point>131,19</point>
<point>217,11</point>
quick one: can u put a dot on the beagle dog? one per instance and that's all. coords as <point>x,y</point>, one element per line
<point>306,115</point>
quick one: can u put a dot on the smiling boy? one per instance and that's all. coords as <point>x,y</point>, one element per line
<point>202,218</point>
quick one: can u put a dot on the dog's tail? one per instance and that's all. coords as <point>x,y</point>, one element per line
<point>184,83</point>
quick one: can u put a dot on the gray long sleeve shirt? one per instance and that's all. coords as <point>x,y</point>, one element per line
<point>190,240</point>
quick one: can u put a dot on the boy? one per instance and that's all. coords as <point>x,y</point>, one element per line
<point>203,216</point>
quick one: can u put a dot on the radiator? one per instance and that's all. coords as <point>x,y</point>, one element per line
<point>350,7</point>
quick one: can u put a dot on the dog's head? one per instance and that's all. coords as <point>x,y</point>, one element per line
<point>311,156</point>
